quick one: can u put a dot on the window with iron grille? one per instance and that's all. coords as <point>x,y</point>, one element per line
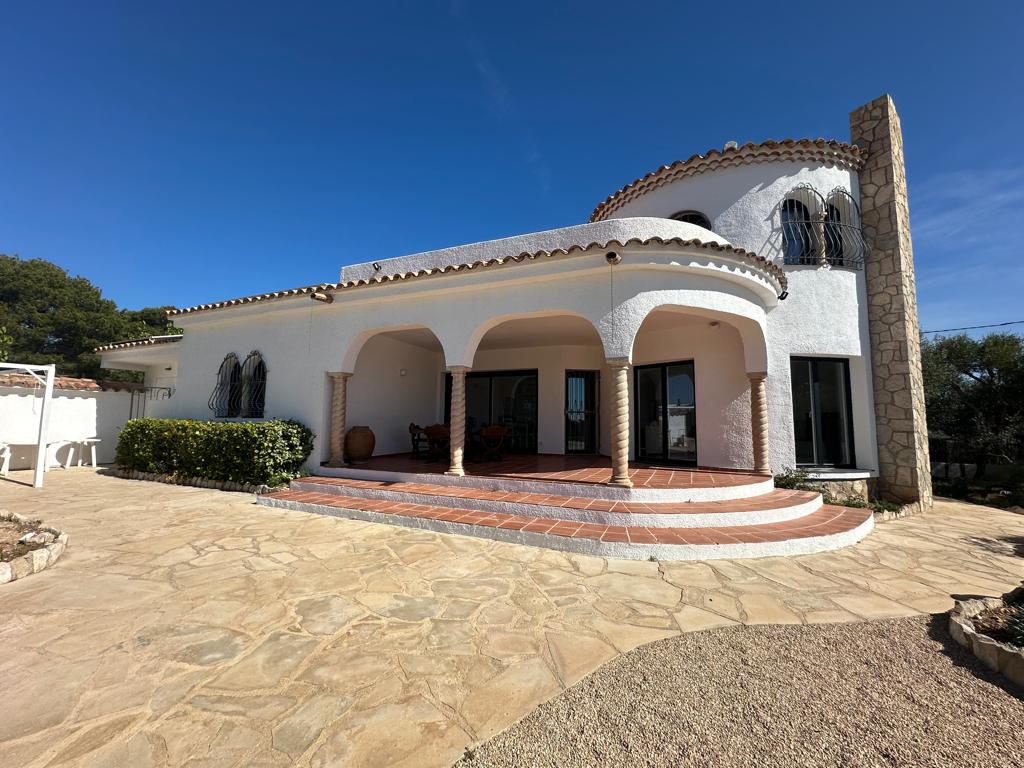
<point>241,388</point>
<point>799,239</point>
<point>844,236</point>
<point>818,230</point>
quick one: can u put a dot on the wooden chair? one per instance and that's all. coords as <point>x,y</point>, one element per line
<point>493,440</point>
<point>420,440</point>
<point>438,438</point>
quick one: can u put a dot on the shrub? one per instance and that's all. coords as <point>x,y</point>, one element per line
<point>261,452</point>
<point>1015,626</point>
<point>794,479</point>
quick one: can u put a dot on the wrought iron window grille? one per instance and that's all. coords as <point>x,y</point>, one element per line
<point>241,388</point>
<point>820,231</point>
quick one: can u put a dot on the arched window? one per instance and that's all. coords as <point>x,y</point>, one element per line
<point>833,235</point>
<point>254,386</point>
<point>692,217</point>
<point>798,241</point>
<point>844,237</point>
<point>226,400</point>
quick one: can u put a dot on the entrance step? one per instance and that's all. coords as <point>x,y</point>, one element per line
<point>829,527</point>
<point>777,505</point>
<point>650,485</point>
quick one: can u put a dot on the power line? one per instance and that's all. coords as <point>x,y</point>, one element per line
<point>975,327</point>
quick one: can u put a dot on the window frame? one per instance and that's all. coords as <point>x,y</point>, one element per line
<point>816,411</point>
<point>679,216</point>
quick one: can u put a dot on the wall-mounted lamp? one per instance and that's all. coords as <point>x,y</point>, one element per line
<point>376,266</point>
<point>784,295</point>
<point>325,298</point>
<point>612,258</point>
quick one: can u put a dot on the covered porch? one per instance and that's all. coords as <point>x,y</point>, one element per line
<point>541,400</point>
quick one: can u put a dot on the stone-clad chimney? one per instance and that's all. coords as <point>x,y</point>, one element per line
<point>903,462</point>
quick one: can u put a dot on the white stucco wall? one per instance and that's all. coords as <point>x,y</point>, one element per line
<point>382,398</point>
<point>742,203</point>
<point>75,416</point>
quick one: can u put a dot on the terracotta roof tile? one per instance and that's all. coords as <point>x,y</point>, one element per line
<point>148,342</point>
<point>59,382</point>
<point>758,261</point>
<point>825,151</point>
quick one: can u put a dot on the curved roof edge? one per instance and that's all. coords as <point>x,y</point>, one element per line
<point>619,233</point>
<point>826,151</point>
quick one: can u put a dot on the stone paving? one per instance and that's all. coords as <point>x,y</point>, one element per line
<point>190,627</point>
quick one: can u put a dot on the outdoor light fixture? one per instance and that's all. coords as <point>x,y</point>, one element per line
<point>612,258</point>
<point>325,298</point>
<point>784,295</point>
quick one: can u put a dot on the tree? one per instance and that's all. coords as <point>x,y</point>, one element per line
<point>974,390</point>
<point>6,341</point>
<point>52,317</point>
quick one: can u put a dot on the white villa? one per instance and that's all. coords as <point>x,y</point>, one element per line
<point>625,386</point>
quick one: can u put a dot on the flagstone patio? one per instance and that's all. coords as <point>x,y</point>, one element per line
<point>186,626</point>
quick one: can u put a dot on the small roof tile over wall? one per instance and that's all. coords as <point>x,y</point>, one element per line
<point>59,382</point>
<point>758,261</point>
<point>148,342</point>
<point>826,151</point>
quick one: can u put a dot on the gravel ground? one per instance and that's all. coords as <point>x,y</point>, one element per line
<point>887,693</point>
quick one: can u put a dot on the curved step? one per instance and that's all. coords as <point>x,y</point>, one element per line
<point>648,487</point>
<point>775,506</point>
<point>828,528</point>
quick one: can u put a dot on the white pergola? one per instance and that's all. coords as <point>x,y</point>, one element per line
<point>44,374</point>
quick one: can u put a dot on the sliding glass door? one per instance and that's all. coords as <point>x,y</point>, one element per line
<point>500,398</point>
<point>822,420</point>
<point>666,412</point>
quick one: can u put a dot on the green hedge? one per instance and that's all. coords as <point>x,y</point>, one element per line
<point>259,452</point>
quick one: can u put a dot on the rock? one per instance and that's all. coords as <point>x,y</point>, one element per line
<point>327,614</point>
<point>6,573</point>
<point>40,558</point>
<point>20,567</point>
<point>301,728</point>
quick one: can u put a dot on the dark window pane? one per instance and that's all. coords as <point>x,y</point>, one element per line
<point>682,416</point>
<point>832,404</point>
<point>803,411</point>
<point>649,407</point>
<point>797,233</point>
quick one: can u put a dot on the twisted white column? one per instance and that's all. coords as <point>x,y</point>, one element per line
<point>620,423</point>
<point>759,421</point>
<point>339,393</point>
<point>457,427</point>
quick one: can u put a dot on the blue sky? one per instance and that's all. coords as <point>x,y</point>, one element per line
<point>176,153</point>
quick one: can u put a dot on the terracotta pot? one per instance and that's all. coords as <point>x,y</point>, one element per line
<point>359,443</point>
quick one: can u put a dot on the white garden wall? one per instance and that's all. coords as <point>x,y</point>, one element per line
<point>75,415</point>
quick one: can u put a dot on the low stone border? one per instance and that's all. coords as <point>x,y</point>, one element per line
<point>37,559</point>
<point>197,482</point>
<point>999,657</point>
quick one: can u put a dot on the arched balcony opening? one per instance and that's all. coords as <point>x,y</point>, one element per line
<point>392,384</point>
<point>691,388</point>
<point>534,386</point>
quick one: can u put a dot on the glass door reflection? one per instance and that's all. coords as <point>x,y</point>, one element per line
<point>666,412</point>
